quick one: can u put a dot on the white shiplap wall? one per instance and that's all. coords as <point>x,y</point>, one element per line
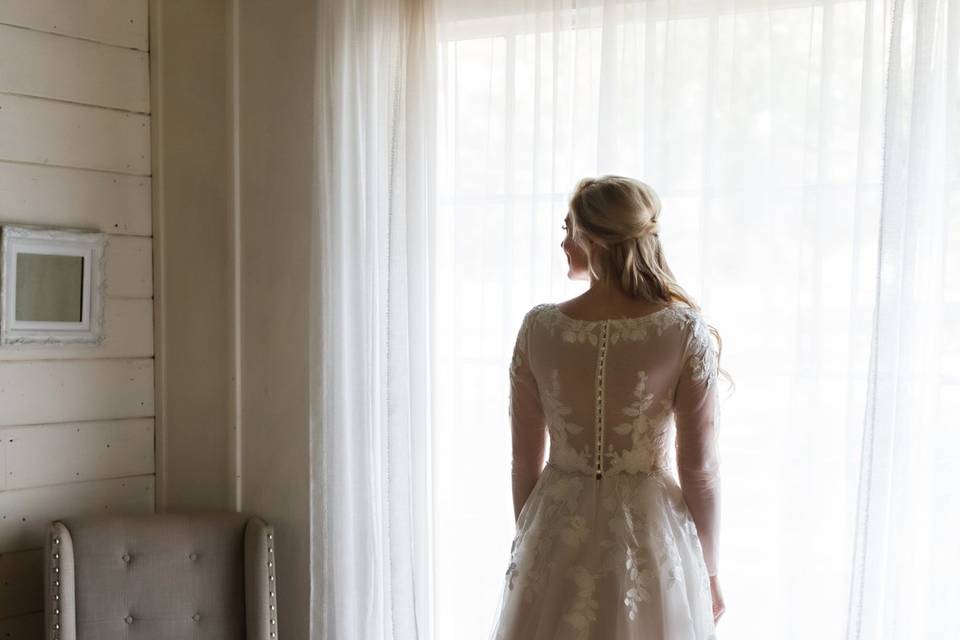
<point>76,423</point>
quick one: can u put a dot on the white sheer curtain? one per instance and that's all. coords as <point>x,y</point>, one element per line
<point>808,156</point>
<point>370,313</point>
<point>906,559</point>
<point>797,175</point>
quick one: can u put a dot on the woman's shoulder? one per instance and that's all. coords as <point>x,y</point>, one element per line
<point>668,313</point>
<point>552,315</point>
<point>535,311</point>
<point>540,307</point>
<point>694,323</point>
<point>690,314</point>
<point>551,319</point>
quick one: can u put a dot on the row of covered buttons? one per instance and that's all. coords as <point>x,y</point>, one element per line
<point>601,365</point>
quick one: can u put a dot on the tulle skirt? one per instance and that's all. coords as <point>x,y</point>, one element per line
<point>610,559</point>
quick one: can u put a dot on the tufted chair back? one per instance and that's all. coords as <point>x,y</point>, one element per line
<point>204,576</point>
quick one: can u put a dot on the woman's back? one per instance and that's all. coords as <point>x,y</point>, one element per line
<point>608,544</point>
<point>608,387</point>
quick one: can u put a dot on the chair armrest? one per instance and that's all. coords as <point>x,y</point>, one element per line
<point>260,581</point>
<point>60,604</point>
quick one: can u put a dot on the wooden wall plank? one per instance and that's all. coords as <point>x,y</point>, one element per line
<point>43,131</point>
<point>54,391</point>
<point>118,22</point>
<point>130,267</point>
<point>40,64</point>
<point>28,627</point>
<point>129,334</point>
<point>25,514</point>
<point>107,202</point>
<point>76,426</point>
<point>41,455</point>
<point>21,582</point>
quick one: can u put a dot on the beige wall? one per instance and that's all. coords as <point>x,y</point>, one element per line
<point>214,274</point>
<point>276,44</point>
<point>192,253</point>
<point>234,110</point>
<point>76,423</point>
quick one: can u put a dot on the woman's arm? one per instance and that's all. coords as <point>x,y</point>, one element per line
<point>695,407</point>
<point>528,426</point>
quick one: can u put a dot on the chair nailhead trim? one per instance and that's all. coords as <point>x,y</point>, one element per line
<point>56,588</point>
<point>271,594</point>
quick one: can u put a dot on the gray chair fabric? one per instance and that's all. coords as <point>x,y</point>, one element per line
<point>204,576</point>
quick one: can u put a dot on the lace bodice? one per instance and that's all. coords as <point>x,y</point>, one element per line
<point>618,396</point>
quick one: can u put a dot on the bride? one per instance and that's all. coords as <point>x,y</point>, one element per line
<point>617,534</point>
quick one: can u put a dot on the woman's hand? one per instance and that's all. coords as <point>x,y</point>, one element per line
<point>718,606</point>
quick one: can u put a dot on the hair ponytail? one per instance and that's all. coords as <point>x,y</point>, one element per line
<point>622,216</point>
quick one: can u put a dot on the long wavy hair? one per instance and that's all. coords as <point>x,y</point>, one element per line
<point>622,217</point>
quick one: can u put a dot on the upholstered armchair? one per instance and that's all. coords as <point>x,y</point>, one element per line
<point>204,576</point>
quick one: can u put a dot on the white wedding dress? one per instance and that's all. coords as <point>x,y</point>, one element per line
<point>614,541</point>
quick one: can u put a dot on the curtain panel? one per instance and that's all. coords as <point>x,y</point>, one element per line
<point>370,309</point>
<point>807,153</point>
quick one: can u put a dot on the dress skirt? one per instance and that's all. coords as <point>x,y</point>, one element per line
<point>615,558</point>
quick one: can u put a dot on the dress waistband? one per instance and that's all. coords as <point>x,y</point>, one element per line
<point>658,471</point>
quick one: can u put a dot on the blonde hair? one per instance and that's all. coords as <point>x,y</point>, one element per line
<point>622,216</point>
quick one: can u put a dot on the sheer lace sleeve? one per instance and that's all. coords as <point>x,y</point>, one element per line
<point>528,425</point>
<point>695,406</point>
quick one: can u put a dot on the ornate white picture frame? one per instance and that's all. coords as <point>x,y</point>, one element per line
<point>77,261</point>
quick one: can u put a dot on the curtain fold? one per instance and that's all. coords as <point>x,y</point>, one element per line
<point>370,314</point>
<point>905,563</point>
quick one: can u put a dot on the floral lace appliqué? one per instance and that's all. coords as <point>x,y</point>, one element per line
<point>557,516</point>
<point>573,330</point>
<point>583,611</point>
<point>562,452</point>
<point>702,357</point>
<point>647,433</point>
